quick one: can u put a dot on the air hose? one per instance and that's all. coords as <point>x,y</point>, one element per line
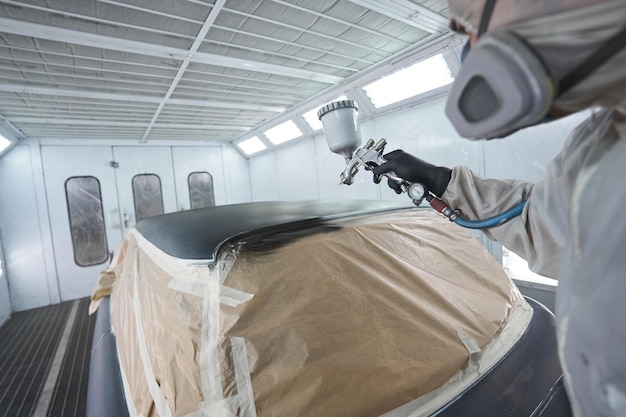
<point>494,221</point>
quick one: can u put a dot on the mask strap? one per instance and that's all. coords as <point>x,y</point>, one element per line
<point>485,17</point>
<point>596,60</point>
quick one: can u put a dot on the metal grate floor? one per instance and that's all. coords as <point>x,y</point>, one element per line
<point>44,361</point>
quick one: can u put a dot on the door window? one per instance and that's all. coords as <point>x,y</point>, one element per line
<point>201,190</point>
<point>84,202</point>
<point>147,196</point>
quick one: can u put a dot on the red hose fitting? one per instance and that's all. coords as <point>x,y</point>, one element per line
<point>443,208</point>
<point>438,205</point>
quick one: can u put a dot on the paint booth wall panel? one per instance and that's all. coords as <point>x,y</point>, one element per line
<point>264,177</point>
<point>288,174</point>
<point>5,299</point>
<point>228,168</point>
<point>527,153</point>
<point>237,176</point>
<point>198,159</point>
<point>20,229</point>
<point>297,165</point>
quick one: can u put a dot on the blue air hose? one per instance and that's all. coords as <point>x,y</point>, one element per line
<point>492,221</point>
<point>453,215</point>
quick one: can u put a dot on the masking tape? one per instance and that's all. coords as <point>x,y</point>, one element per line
<point>210,371</point>
<point>233,297</point>
<point>214,404</point>
<point>516,325</point>
<point>242,376</point>
<point>225,407</point>
<point>228,260</point>
<point>192,278</point>
<point>472,346</point>
<point>130,403</point>
<point>227,295</point>
<point>206,282</point>
<point>512,331</point>
<point>174,267</point>
<point>160,403</point>
<point>209,359</point>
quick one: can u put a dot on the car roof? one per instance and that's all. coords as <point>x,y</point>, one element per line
<point>199,234</point>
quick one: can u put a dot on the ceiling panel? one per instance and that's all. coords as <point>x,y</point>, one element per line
<point>188,69</point>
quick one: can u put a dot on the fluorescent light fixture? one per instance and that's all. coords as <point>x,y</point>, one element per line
<point>283,132</point>
<point>251,146</point>
<point>419,78</point>
<point>4,143</point>
<point>311,116</point>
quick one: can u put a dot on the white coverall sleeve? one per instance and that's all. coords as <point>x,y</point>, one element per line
<point>540,233</point>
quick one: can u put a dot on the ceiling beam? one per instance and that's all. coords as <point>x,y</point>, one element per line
<point>77,122</point>
<point>25,89</point>
<point>408,12</point>
<point>36,30</point>
<point>342,22</point>
<point>206,26</point>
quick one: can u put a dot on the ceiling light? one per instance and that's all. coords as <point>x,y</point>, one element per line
<point>311,118</point>
<point>4,143</point>
<point>251,146</point>
<point>419,78</point>
<point>283,132</point>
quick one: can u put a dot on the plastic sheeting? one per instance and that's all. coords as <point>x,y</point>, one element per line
<point>358,319</point>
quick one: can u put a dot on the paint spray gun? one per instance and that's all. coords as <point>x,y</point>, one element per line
<point>339,120</point>
<point>341,128</point>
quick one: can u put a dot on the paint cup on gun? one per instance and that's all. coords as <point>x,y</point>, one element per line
<point>341,127</point>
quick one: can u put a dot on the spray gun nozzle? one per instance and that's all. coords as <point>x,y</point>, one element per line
<point>352,167</point>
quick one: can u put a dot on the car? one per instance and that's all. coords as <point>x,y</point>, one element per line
<point>316,308</point>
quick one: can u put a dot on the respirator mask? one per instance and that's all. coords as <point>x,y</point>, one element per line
<point>505,84</point>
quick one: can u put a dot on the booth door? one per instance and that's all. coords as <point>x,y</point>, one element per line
<point>96,194</point>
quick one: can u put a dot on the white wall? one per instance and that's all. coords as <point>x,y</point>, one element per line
<point>236,175</point>
<point>31,277</point>
<point>5,300</point>
<point>286,175</point>
<point>21,231</point>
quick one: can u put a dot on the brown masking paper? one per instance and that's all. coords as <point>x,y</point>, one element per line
<point>354,321</point>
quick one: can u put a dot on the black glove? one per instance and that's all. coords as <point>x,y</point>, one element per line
<point>413,169</point>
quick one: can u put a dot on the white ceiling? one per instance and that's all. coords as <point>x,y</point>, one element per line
<point>189,69</point>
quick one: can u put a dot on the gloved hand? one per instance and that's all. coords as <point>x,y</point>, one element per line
<point>412,169</point>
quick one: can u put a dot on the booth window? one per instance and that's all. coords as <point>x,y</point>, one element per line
<point>147,196</point>
<point>84,203</point>
<point>201,190</point>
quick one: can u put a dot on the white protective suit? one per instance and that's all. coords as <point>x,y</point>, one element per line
<point>572,227</point>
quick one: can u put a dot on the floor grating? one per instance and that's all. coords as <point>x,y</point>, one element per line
<point>28,343</point>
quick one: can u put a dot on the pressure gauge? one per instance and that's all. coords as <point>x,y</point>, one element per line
<point>416,191</point>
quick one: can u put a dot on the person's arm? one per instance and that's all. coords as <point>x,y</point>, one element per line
<point>537,235</point>
<point>540,233</point>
